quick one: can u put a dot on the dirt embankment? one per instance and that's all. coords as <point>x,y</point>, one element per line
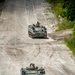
<point>60,35</point>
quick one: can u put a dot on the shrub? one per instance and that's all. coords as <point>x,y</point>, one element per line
<point>71,42</point>
<point>60,11</point>
<point>65,25</point>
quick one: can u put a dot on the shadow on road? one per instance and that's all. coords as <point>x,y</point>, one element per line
<point>40,38</point>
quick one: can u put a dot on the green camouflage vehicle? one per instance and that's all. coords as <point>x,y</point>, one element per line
<point>32,70</point>
<point>36,31</point>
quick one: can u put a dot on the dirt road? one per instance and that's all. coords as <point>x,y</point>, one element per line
<point>17,50</point>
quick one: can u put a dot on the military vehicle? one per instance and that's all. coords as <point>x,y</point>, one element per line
<point>32,70</point>
<point>36,31</point>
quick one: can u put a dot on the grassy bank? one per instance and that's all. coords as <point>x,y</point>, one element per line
<point>71,41</point>
<point>71,44</point>
<point>65,24</point>
<point>65,9</point>
<point>61,8</point>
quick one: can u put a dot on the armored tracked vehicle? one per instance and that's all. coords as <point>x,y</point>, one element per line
<point>37,31</point>
<point>32,70</point>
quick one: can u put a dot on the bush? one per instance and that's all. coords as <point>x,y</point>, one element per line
<point>71,42</point>
<point>65,25</point>
<point>64,8</point>
<point>73,35</point>
<point>60,11</point>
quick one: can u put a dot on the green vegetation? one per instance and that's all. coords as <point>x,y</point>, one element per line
<point>66,9</point>
<point>58,7</point>
<point>65,25</point>
<point>71,42</point>
<point>60,11</point>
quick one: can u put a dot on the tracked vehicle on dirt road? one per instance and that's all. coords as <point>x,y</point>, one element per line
<point>32,70</point>
<point>37,31</point>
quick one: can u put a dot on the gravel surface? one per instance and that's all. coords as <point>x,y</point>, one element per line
<point>18,50</point>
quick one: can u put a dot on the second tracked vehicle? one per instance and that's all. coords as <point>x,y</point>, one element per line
<point>32,70</point>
